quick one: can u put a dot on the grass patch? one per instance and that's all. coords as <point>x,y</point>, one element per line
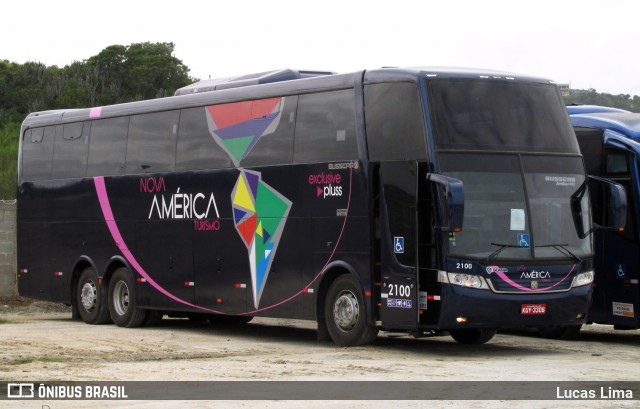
<point>54,359</point>
<point>3,321</point>
<point>21,361</point>
<point>45,359</point>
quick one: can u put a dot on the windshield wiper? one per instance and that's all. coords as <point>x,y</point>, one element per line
<point>498,251</point>
<point>562,248</point>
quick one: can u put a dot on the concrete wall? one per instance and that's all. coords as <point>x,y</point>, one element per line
<point>8,288</point>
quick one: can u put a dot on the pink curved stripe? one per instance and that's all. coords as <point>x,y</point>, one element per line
<point>117,237</point>
<point>103,198</point>
<point>523,288</point>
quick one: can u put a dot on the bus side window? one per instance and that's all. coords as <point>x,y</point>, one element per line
<point>196,147</point>
<point>37,153</point>
<point>276,148</point>
<point>590,141</point>
<point>395,124</point>
<point>151,146</point>
<point>108,146</point>
<point>70,151</point>
<point>325,127</point>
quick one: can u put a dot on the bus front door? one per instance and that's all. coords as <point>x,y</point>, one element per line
<point>398,186</point>
<point>616,298</point>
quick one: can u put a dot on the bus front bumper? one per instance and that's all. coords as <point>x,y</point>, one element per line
<point>472,308</point>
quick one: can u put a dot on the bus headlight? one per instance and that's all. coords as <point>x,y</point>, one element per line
<point>463,280</point>
<point>583,279</point>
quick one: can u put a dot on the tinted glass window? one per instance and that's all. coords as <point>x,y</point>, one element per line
<point>501,116</point>
<point>325,127</point>
<point>617,164</point>
<point>590,141</point>
<point>108,146</point>
<point>394,118</point>
<point>197,148</point>
<point>523,215</point>
<point>275,146</point>
<point>151,146</point>
<point>37,153</point>
<point>71,150</point>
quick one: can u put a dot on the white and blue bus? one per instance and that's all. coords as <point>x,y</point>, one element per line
<point>609,139</point>
<point>419,200</point>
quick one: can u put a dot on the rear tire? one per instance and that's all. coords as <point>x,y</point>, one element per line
<point>472,335</point>
<point>122,301</point>
<point>345,315</point>
<point>90,298</point>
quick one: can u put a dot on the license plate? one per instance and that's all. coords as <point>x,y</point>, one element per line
<point>533,309</point>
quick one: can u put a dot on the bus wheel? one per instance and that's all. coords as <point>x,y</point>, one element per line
<point>560,332</point>
<point>122,301</point>
<point>90,300</point>
<point>344,313</point>
<point>472,335</point>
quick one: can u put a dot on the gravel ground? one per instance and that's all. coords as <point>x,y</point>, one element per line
<point>40,342</point>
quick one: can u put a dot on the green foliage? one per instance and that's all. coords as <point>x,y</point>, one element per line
<point>117,74</point>
<point>9,159</point>
<point>592,97</point>
<point>44,359</point>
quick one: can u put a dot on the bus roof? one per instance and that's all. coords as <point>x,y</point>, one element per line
<point>625,122</point>
<point>249,79</point>
<point>267,84</point>
<point>591,109</point>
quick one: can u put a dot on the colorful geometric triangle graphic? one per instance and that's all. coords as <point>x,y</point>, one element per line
<point>260,214</point>
<point>238,126</point>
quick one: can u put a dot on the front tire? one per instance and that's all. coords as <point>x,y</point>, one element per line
<point>122,301</point>
<point>345,315</point>
<point>90,300</point>
<point>472,335</point>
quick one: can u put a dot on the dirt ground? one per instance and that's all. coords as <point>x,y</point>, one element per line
<point>39,341</point>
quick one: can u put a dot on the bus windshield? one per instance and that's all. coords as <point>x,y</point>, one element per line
<point>518,214</point>
<point>514,150</point>
<point>499,116</point>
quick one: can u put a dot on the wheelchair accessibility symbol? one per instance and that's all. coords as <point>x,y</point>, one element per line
<point>523,240</point>
<point>398,244</point>
<point>621,270</point>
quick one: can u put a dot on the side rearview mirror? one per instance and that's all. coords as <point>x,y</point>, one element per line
<point>453,192</point>
<point>614,194</point>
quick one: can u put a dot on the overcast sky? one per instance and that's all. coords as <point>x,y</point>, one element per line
<point>587,43</point>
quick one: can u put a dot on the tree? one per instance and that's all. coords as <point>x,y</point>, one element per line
<point>116,74</point>
<point>592,97</point>
<point>151,71</point>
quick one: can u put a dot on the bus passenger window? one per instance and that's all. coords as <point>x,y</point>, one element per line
<point>196,147</point>
<point>151,146</point>
<point>70,152</point>
<point>325,127</point>
<point>37,153</point>
<point>276,147</point>
<point>108,146</point>
<point>395,129</point>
